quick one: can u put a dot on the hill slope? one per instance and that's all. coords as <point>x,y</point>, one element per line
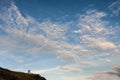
<point>12,75</point>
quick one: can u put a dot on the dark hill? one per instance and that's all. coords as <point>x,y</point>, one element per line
<point>6,74</point>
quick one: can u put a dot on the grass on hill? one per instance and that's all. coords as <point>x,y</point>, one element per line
<point>12,75</point>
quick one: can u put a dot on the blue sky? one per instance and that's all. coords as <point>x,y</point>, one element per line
<point>61,39</point>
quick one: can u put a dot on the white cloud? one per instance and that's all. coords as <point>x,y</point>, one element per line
<point>115,71</point>
<point>94,31</point>
<point>53,31</point>
<point>87,63</point>
<point>70,69</point>
<point>26,35</point>
<point>12,19</point>
<point>60,69</point>
<point>19,59</point>
<point>2,52</point>
<point>107,60</point>
<point>115,7</point>
<point>67,55</point>
<point>113,74</point>
<point>45,70</point>
<point>100,43</point>
<point>104,77</point>
<point>75,78</point>
<point>91,22</point>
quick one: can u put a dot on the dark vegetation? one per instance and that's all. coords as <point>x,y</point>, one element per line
<point>6,74</point>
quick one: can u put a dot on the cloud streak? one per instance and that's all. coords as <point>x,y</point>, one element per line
<point>115,7</point>
<point>113,74</point>
<point>27,35</point>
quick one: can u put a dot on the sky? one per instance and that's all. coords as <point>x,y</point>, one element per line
<point>61,39</point>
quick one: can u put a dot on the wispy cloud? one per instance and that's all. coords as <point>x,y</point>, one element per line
<point>115,71</point>
<point>70,69</point>
<point>89,41</point>
<point>113,74</point>
<point>27,35</point>
<point>45,70</point>
<point>75,78</point>
<point>115,7</point>
<point>60,69</point>
<point>87,63</point>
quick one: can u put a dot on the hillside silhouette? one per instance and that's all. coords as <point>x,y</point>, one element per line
<point>6,74</point>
